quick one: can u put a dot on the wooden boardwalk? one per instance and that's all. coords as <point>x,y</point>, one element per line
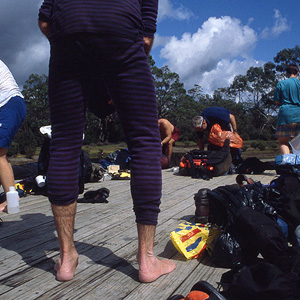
<point>106,241</point>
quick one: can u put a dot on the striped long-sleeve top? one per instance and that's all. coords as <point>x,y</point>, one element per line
<point>128,18</point>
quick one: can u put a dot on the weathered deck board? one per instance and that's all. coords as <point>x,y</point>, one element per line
<point>106,240</point>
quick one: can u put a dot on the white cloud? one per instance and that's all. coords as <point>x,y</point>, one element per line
<point>166,10</point>
<point>160,40</point>
<point>212,56</point>
<point>280,25</point>
<point>223,74</point>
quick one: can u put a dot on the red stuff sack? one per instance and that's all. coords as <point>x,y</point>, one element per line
<point>217,137</point>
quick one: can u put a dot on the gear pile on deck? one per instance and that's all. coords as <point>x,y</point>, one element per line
<point>206,164</point>
<point>252,219</point>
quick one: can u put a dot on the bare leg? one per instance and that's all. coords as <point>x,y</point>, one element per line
<point>150,267</point>
<point>6,175</point>
<point>3,207</point>
<point>169,149</point>
<point>283,143</point>
<point>64,220</point>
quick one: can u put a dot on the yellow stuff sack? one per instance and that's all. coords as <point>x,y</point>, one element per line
<point>121,175</point>
<point>190,239</point>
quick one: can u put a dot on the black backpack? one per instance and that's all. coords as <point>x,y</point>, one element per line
<point>85,165</point>
<point>253,165</point>
<point>206,164</point>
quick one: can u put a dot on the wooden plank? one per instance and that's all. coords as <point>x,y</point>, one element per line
<point>135,234</point>
<point>106,240</point>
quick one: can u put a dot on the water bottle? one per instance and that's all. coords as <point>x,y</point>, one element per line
<point>12,198</point>
<point>175,170</point>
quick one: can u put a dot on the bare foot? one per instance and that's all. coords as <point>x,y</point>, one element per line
<point>65,268</point>
<point>151,268</point>
<point>3,207</point>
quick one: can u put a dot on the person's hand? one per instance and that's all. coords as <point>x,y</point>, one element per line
<point>45,28</point>
<point>148,42</point>
<point>236,133</point>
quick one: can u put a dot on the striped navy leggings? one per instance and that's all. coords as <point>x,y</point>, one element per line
<point>75,62</point>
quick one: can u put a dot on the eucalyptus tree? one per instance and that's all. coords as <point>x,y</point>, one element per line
<point>35,91</point>
<point>255,90</point>
<point>287,56</point>
<point>174,103</point>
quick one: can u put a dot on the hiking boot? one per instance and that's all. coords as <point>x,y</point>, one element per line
<point>202,206</point>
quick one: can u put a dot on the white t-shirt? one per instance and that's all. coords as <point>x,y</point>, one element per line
<point>8,85</point>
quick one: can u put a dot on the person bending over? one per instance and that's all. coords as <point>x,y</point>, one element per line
<point>169,134</point>
<point>211,116</point>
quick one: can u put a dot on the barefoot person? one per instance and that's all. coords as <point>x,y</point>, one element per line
<point>169,135</point>
<point>12,114</point>
<point>113,38</point>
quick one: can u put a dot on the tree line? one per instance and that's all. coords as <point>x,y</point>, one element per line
<point>249,98</point>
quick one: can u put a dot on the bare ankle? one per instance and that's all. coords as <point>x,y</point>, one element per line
<point>66,266</point>
<point>151,268</point>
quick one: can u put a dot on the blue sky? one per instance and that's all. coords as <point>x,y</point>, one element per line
<point>207,42</point>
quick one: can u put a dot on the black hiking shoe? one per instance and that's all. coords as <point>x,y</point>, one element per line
<point>98,196</point>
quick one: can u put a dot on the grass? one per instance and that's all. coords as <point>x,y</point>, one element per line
<point>98,152</point>
<point>95,152</point>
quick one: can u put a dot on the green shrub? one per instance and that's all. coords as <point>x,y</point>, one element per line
<point>254,144</point>
<point>186,144</point>
<point>26,140</point>
<point>184,139</point>
<point>261,146</point>
<point>244,148</point>
<point>273,145</point>
<point>29,151</point>
<point>245,136</point>
<point>13,149</point>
